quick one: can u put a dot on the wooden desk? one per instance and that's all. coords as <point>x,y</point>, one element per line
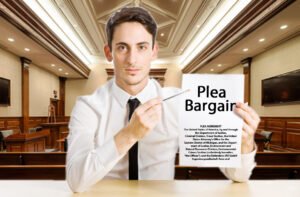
<point>124,188</point>
<point>27,142</point>
<point>55,132</point>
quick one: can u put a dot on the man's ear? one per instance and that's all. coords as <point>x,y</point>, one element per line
<point>155,51</point>
<point>107,53</point>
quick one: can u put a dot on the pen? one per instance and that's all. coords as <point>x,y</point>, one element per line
<point>176,95</point>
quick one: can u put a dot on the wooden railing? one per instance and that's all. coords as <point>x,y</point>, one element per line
<point>52,166</point>
<point>32,165</point>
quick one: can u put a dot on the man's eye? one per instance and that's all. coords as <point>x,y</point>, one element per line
<point>143,47</point>
<point>122,48</point>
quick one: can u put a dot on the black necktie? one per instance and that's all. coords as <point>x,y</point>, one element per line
<point>133,151</point>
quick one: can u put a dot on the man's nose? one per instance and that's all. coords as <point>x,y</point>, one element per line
<point>132,56</point>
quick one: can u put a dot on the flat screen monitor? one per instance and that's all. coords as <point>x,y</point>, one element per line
<point>4,91</point>
<point>281,89</point>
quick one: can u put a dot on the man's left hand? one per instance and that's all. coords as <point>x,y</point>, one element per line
<point>251,121</point>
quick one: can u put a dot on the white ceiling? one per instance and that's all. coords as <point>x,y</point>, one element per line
<point>177,19</point>
<point>270,31</point>
<point>39,56</point>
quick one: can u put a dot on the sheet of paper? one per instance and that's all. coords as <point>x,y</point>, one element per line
<point>210,130</point>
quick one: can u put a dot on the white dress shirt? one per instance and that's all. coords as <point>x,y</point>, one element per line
<point>97,118</point>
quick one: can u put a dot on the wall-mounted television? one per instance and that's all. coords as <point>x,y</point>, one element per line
<point>284,88</point>
<point>4,91</point>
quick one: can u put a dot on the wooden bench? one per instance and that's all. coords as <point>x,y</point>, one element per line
<point>24,165</point>
<point>52,166</point>
<point>54,172</point>
<point>270,165</point>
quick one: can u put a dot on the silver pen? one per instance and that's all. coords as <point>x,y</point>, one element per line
<point>176,95</point>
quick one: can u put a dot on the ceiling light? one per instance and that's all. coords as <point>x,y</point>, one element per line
<point>66,73</point>
<point>219,65</point>
<point>245,49</point>
<point>198,26</point>
<point>26,49</point>
<point>11,39</point>
<point>212,70</point>
<point>162,34</point>
<point>60,69</point>
<point>283,26</point>
<point>53,65</point>
<point>181,49</point>
<point>54,19</point>
<point>261,40</point>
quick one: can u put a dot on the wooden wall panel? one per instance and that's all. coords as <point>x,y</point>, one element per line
<point>293,135</point>
<point>10,123</point>
<point>2,124</point>
<point>286,132</point>
<point>15,123</point>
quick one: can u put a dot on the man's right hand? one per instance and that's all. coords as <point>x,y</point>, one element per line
<point>143,120</point>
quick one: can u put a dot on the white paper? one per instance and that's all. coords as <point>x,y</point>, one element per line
<point>211,133</point>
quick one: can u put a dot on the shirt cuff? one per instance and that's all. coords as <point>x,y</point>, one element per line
<point>248,158</point>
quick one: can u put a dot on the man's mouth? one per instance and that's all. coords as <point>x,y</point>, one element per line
<point>132,71</point>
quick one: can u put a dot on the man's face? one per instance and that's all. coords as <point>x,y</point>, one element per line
<point>131,54</point>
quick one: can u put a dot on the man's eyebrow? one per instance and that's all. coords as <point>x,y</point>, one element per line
<point>140,43</point>
<point>122,43</point>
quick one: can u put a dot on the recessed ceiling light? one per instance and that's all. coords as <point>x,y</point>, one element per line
<point>245,49</point>
<point>11,39</point>
<point>261,40</point>
<point>219,65</point>
<point>162,34</point>
<point>26,49</point>
<point>53,65</point>
<point>198,26</point>
<point>60,69</point>
<point>66,73</point>
<point>212,70</point>
<point>283,26</point>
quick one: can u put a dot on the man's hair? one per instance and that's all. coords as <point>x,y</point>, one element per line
<point>131,14</point>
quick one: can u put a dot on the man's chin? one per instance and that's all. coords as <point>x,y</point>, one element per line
<point>135,80</point>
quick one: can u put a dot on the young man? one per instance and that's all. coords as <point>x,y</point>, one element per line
<point>104,143</point>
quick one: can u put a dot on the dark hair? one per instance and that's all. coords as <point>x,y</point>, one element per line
<point>131,14</point>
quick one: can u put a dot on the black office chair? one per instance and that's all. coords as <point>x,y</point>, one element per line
<point>66,145</point>
<point>1,142</point>
<point>267,140</point>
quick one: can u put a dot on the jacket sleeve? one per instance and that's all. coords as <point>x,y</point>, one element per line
<point>243,173</point>
<point>87,164</point>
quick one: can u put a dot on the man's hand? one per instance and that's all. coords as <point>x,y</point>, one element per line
<point>143,120</point>
<point>251,121</point>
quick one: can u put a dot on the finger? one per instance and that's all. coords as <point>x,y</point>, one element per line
<point>154,111</point>
<point>248,130</point>
<point>144,107</point>
<point>246,117</point>
<point>248,109</point>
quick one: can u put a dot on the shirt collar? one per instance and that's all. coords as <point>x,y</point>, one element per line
<point>146,94</point>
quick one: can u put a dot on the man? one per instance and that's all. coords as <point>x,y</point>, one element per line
<point>102,138</point>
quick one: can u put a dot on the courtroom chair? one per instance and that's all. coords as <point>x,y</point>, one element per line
<point>1,142</point>
<point>267,139</point>
<point>5,134</point>
<point>31,130</point>
<point>38,128</point>
<point>66,145</point>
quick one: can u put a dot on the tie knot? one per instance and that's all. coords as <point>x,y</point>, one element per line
<point>133,104</point>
